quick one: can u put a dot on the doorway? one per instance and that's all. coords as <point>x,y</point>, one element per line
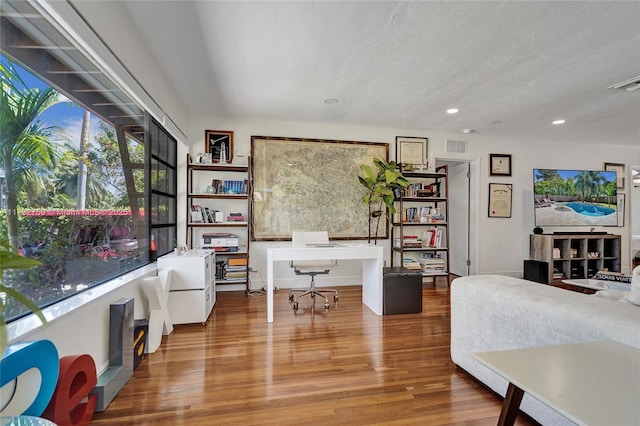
<point>634,214</point>
<point>464,205</point>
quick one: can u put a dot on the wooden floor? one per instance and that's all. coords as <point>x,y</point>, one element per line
<point>344,366</point>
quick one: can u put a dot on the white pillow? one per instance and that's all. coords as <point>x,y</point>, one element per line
<point>634,296</point>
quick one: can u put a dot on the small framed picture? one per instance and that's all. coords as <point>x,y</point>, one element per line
<point>500,199</point>
<point>412,150</point>
<point>219,143</point>
<point>499,164</point>
<point>619,169</point>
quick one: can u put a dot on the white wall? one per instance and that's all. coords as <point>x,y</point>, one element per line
<point>503,243</point>
<point>85,329</point>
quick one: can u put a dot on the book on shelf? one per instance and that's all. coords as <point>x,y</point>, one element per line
<point>410,263</point>
<point>235,217</point>
<point>421,215</point>
<point>411,241</point>
<point>420,189</point>
<point>237,261</point>
<point>197,214</point>
<point>208,215</point>
<point>432,238</point>
<point>224,249</point>
<point>221,186</point>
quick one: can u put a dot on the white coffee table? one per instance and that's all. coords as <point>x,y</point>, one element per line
<point>595,383</point>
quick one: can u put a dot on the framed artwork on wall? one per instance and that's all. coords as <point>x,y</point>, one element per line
<point>412,150</point>
<point>619,169</point>
<point>500,198</point>
<point>301,183</point>
<point>499,164</point>
<point>219,143</point>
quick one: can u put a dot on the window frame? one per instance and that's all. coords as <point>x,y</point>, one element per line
<point>130,107</point>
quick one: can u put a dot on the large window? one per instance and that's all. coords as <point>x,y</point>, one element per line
<point>86,175</point>
<point>163,189</point>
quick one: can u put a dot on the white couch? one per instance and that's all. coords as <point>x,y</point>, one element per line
<point>492,312</point>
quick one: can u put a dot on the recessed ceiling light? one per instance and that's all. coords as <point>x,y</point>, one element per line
<point>330,101</point>
<point>467,131</point>
<point>452,110</point>
<point>559,122</point>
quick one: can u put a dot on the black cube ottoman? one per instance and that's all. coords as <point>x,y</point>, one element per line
<point>401,291</point>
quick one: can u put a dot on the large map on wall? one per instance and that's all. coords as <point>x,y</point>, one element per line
<point>310,184</point>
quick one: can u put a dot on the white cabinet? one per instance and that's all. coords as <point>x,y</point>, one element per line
<point>192,294</point>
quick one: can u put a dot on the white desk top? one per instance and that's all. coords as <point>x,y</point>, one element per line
<point>595,383</point>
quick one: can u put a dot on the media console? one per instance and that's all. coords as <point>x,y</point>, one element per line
<point>574,256</point>
<point>580,233</point>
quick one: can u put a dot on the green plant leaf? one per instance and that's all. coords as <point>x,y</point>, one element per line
<point>12,260</point>
<point>22,299</point>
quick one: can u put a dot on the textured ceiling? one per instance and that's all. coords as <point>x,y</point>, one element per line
<point>511,67</point>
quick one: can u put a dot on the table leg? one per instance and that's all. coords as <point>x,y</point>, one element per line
<point>510,406</point>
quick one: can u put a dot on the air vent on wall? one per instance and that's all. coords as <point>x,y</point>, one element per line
<point>456,146</point>
<point>628,85</point>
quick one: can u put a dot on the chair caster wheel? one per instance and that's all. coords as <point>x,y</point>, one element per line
<point>295,306</point>
<point>326,305</point>
<point>291,297</point>
<point>335,298</point>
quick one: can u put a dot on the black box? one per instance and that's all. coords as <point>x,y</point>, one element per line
<point>536,270</point>
<point>401,291</point>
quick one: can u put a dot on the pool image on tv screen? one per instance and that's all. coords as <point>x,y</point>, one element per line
<point>575,197</point>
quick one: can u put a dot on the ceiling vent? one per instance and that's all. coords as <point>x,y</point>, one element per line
<point>459,147</point>
<point>628,85</point>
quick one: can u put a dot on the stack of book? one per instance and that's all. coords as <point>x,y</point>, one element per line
<point>235,217</point>
<point>411,241</point>
<point>236,269</point>
<point>557,275</point>
<point>432,263</point>
<point>410,263</point>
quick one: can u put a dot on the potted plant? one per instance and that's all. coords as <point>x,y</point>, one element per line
<point>381,185</point>
<point>10,259</point>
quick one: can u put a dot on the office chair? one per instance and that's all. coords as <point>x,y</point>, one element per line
<point>311,267</point>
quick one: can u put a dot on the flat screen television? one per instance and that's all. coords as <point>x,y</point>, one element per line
<point>575,197</point>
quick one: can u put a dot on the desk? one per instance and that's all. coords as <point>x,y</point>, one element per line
<point>594,383</point>
<point>372,263</point>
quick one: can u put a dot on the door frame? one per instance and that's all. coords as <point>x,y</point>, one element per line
<point>474,205</point>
